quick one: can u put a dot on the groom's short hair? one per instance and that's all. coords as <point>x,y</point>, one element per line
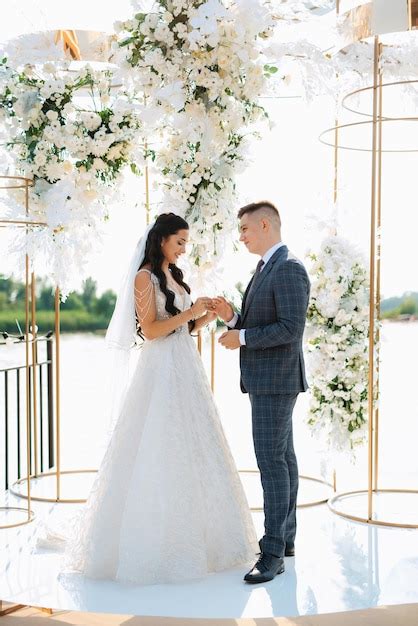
<point>267,207</point>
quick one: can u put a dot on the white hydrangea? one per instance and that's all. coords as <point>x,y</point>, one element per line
<point>199,68</point>
<point>69,152</point>
<point>337,339</point>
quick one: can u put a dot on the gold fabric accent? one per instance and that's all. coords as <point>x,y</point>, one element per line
<point>70,43</point>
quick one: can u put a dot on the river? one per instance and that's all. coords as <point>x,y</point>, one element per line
<point>85,409</point>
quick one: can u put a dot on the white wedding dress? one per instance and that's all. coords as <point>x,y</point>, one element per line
<point>167,504</point>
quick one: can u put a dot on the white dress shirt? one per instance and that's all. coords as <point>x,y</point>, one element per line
<point>266,258</point>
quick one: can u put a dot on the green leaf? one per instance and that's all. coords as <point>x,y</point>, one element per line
<point>127,41</point>
<point>271,69</point>
<point>135,170</point>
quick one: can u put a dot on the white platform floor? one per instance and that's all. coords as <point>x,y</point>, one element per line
<point>339,566</point>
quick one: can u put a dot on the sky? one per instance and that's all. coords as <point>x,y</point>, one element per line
<point>294,170</point>
<point>289,167</point>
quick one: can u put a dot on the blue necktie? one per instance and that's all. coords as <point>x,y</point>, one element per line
<point>255,277</point>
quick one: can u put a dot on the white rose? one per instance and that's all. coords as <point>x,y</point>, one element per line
<point>52,115</point>
<point>115,152</point>
<point>40,159</point>
<point>168,17</point>
<point>98,164</point>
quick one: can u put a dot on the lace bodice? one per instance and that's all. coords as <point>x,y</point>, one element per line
<point>181,300</point>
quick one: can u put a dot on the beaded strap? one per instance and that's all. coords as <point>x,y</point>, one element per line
<point>143,299</point>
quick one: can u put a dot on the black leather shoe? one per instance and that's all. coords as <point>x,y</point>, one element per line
<point>266,568</point>
<point>288,551</point>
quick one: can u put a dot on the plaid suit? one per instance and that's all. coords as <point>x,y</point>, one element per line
<point>273,373</point>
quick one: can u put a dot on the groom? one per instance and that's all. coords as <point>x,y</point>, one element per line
<point>269,331</point>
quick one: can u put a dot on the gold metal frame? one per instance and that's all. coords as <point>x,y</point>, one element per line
<point>10,608</point>
<point>364,123</point>
<point>356,92</point>
<point>412,12</point>
<point>20,223</point>
<point>23,183</point>
<point>374,522</point>
<point>58,471</point>
<point>304,505</point>
<point>30,515</point>
<point>376,150</point>
<point>58,475</point>
<point>70,42</point>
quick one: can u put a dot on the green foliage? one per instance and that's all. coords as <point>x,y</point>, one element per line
<point>88,295</point>
<point>71,321</point>
<point>105,303</point>
<point>73,303</point>
<point>269,70</point>
<point>83,311</point>
<point>407,304</point>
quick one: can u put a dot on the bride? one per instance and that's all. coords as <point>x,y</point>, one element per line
<point>167,504</point>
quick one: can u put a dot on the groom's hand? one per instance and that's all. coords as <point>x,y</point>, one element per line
<point>223,309</point>
<point>230,340</point>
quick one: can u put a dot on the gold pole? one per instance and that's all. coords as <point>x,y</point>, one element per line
<point>69,42</point>
<point>24,184</point>
<point>410,14</point>
<point>378,271</point>
<point>212,363</point>
<point>9,608</point>
<point>28,437</point>
<point>336,147</point>
<point>372,283</point>
<point>336,139</point>
<point>19,222</point>
<point>57,389</point>
<point>147,204</point>
<point>34,370</point>
<point>199,342</point>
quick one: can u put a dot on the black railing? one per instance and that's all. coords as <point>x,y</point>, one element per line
<point>13,412</point>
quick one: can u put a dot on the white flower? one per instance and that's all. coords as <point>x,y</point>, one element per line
<point>91,120</point>
<point>167,17</point>
<point>98,164</point>
<point>205,17</point>
<point>337,342</point>
<point>40,159</point>
<point>198,81</point>
<point>173,94</point>
<point>52,115</point>
<point>68,194</point>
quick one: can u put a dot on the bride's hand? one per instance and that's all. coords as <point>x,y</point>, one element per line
<point>223,309</point>
<point>211,316</point>
<point>200,307</point>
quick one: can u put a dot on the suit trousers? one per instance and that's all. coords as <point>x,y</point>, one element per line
<point>276,460</point>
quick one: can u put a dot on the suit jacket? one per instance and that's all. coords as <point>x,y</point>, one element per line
<point>274,317</point>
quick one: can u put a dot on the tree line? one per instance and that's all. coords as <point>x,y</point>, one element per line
<point>399,306</point>
<point>83,310</point>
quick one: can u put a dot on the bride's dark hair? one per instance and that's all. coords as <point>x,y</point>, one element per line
<point>166,224</point>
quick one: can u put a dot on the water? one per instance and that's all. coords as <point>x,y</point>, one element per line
<point>85,414</point>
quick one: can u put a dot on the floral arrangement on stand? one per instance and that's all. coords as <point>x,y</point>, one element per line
<point>337,341</point>
<point>198,69</point>
<point>63,131</point>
